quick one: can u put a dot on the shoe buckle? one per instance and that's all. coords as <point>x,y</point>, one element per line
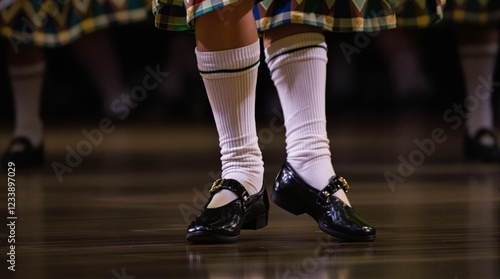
<point>324,196</point>
<point>336,184</point>
<point>342,183</point>
<point>216,185</point>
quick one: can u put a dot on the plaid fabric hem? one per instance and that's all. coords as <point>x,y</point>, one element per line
<point>419,13</point>
<point>54,25</point>
<point>334,16</point>
<point>331,24</point>
<point>473,11</point>
<point>170,15</point>
<point>175,15</point>
<point>340,16</point>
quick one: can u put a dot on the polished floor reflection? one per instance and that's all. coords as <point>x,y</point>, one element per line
<point>120,206</point>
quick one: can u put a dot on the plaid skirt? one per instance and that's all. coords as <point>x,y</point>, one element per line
<point>473,11</point>
<point>333,16</point>
<point>52,23</point>
<point>419,13</point>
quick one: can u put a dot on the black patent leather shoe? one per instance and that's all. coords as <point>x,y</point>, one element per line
<point>22,153</point>
<point>223,224</point>
<point>475,150</point>
<point>334,217</point>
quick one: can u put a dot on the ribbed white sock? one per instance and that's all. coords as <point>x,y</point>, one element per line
<point>230,79</point>
<point>478,64</point>
<point>27,82</point>
<point>298,69</point>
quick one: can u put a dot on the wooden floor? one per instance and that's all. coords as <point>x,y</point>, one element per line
<point>120,209</point>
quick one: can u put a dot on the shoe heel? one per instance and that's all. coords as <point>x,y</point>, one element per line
<point>256,223</point>
<point>287,204</point>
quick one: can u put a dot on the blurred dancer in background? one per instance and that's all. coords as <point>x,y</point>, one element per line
<point>476,26</point>
<point>477,29</point>
<point>29,26</point>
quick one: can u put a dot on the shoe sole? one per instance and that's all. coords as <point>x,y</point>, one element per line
<point>209,237</point>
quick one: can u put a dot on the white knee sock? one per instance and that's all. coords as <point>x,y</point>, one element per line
<point>298,69</point>
<point>230,78</point>
<point>27,82</point>
<point>478,64</point>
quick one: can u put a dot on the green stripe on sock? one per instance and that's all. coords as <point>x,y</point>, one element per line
<point>295,50</point>
<point>292,51</point>
<point>230,70</point>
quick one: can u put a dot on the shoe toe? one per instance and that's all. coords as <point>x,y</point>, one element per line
<point>22,153</point>
<point>223,224</point>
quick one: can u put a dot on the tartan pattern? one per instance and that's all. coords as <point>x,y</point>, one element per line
<point>335,16</point>
<point>52,23</point>
<point>419,13</point>
<point>330,15</point>
<point>473,11</point>
<point>179,15</point>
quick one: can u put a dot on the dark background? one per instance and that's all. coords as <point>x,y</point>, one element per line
<point>70,94</point>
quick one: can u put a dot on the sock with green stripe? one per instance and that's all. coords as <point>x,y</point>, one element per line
<point>298,69</point>
<point>230,78</point>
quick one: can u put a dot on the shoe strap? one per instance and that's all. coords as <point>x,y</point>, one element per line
<point>482,132</point>
<point>231,185</point>
<point>336,183</point>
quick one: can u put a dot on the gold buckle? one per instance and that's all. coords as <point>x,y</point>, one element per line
<point>216,185</point>
<point>343,184</point>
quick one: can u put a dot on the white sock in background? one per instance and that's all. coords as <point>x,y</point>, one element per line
<point>478,64</point>
<point>27,82</point>
<point>298,69</point>
<point>230,79</point>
